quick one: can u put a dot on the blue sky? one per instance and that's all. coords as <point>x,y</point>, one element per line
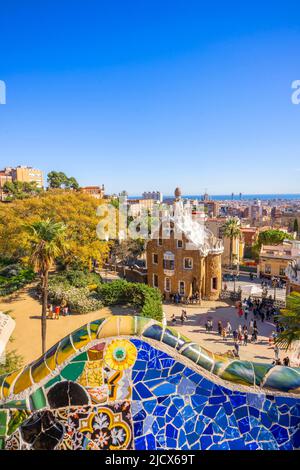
<point>153,94</point>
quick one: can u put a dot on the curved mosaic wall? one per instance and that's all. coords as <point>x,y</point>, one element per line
<point>128,383</point>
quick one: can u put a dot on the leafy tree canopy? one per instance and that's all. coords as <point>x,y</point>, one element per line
<point>290,319</point>
<point>20,189</point>
<point>59,180</point>
<point>76,210</point>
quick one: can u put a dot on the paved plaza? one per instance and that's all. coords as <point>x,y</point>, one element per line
<point>26,311</point>
<point>194,328</point>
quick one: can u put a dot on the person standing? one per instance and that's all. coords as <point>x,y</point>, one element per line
<point>286,361</point>
<point>224,334</point>
<point>251,327</point>
<point>254,334</point>
<point>49,311</point>
<point>276,352</point>
<point>220,328</point>
<point>229,328</point>
<point>245,337</point>
<point>57,312</point>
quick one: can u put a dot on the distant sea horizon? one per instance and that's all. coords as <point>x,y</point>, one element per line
<point>236,197</point>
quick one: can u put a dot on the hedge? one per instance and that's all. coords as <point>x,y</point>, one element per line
<point>142,297</point>
<point>14,277</point>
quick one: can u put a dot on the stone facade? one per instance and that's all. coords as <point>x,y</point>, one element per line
<point>204,275</point>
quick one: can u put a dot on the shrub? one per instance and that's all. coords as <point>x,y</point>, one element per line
<point>12,361</point>
<point>79,299</point>
<point>13,277</point>
<point>76,278</point>
<point>140,296</point>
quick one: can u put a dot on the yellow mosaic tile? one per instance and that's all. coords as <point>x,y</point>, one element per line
<point>81,337</point>
<point>65,350</point>
<point>39,371</point>
<point>92,375</point>
<point>23,381</point>
<point>94,327</point>
<point>50,358</point>
<point>109,328</point>
<point>9,379</point>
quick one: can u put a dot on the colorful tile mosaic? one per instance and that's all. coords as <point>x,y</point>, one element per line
<point>129,383</point>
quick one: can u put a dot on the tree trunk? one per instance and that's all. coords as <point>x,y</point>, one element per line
<point>231,250</point>
<point>44,310</point>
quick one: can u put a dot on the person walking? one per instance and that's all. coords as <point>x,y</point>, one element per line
<point>66,311</point>
<point>182,318</point>
<point>220,328</point>
<point>235,335</point>
<point>237,349</point>
<point>173,319</point>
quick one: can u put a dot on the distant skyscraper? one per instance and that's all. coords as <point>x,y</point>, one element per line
<point>155,195</point>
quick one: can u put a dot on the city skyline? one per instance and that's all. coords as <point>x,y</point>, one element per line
<point>145,96</point>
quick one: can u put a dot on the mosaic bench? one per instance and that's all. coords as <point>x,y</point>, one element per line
<point>126,382</point>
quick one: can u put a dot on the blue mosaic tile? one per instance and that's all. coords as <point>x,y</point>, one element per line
<point>215,417</point>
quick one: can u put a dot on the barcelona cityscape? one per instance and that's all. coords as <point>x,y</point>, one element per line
<point>149,229</point>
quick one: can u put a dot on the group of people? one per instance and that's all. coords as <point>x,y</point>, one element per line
<point>54,311</point>
<point>262,309</point>
<point>239,335</point>
<point>178,298</point>
<point>183,317</point>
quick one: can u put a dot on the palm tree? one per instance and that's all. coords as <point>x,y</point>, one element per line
<point>290,320</point>
<point>232,230</point>
<point>47,243</point>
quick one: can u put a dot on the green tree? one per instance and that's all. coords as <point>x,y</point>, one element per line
<point>127,249</point>
<point>75,209</point>
<point>71,183</point>
<point>20,189</point>
<point>290,319</point>
<point>232,230</point>
<point>59,180</point>
<point>48,242</point>
<point>270,237</point>
<point>56,179</point>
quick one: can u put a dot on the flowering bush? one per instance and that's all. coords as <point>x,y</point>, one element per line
<point>79,299</point>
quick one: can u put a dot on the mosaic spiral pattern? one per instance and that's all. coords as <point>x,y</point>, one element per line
<point>128,383</point>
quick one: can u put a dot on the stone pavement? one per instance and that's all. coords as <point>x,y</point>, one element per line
<point>194,328</point>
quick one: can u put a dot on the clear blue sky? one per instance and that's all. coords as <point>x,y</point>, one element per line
<point>153,94</point>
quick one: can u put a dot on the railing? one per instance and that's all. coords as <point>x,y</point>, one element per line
<point>227,294</point>
<point>234,296</point>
